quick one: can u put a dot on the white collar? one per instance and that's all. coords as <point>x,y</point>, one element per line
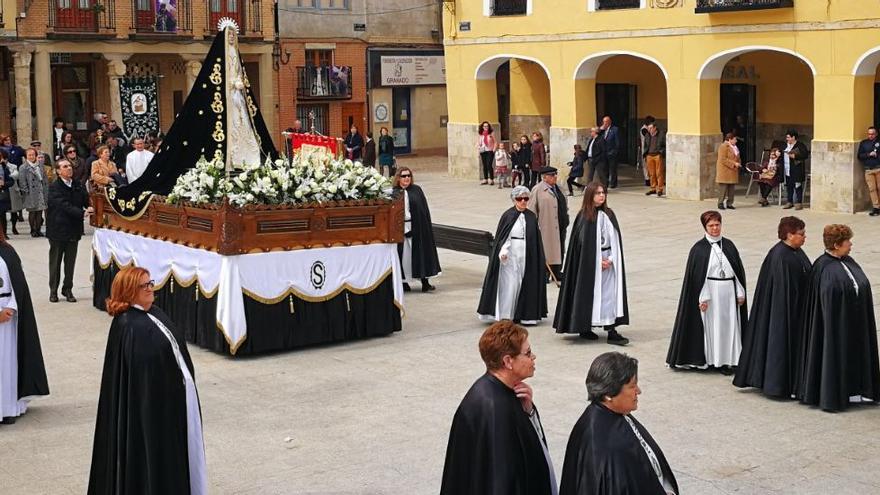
<point>138,306</point>
<point>67,182</point>
<point>712,239</point>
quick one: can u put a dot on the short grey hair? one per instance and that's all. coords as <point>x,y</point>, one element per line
<point>608,374</point>
<point>595,129</point>
<point>519,191</point>
<point>62,161</point>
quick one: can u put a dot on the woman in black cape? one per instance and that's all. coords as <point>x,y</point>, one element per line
<point>839,353</point>
<point>418,252</point>
<point>585,302</point>
<point>771,342</point>
<point>514,287</point>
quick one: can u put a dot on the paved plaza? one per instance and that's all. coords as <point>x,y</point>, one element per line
<point>372,417</point>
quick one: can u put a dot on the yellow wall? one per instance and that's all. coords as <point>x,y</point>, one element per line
<point>625,69</point>
<point>784,86</point>
<point>529,89</point>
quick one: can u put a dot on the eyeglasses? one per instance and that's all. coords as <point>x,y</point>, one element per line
<point>521,199</point>
<point>148,285</point>
<point>407,176</point>
<point>528,354</point>
<point>71,151</point>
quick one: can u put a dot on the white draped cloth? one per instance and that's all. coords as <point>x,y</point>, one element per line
<point>721,320</point>
<point>608,284</point>
<point>510,273</point>
<point>195,444</point>
<point>10,405</point>
<point>311,274</point>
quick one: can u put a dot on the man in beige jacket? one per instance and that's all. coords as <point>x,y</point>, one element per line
<point>727,170</point>
<point>549,203</point>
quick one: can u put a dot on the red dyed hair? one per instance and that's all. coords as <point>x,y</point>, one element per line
<point>124,289</point>
<point>503,338</point>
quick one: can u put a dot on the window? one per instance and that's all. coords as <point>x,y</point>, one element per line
<point>338,4</point>
<point>315,115</point>
<point>508,7</point>
<point>319,58</point>
<point>593,5</point>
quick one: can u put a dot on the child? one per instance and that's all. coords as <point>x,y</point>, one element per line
<point>516,174</point>
<point>502,166</point>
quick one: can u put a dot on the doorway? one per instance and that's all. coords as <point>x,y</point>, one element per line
<point>73,97</point>
<point>502,89</point>
<point>738,116</point>
<point>619,101</point>
<point>876,104</point>
<point>402,120</point>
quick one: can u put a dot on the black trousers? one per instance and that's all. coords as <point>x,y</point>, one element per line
<point>35,220</point>
<point>572,181</point>
<point>61,251</point>
<point>487,159</point>
<point>600,169</point>
<point>534,177</point>
<point>612,170</point>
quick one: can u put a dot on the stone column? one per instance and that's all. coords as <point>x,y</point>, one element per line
<point>21,56</point>
<point>193,64</point>
<point>43,88</point>
<point>116,69</point>
<point>692,138</point>
<point>267,96</point>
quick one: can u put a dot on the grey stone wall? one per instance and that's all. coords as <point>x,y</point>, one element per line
<point>767,133</point>
<point>463,159</point>
<point>837,179</point>
<point>690,166</point>
<point>562,140</point>
<point>527,124</point>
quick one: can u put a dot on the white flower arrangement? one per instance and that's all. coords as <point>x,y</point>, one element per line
<point>312,176</point>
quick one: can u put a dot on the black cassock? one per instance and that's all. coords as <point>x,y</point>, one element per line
<point>772,340</point>
<point>531,305</point>
<point>32,379</point>
<point>425,262</point>
<point>493,447</point>
<point>604,457</point>
<point>574,308</point>
<point>840,336</point>
<point>141,431</point>
<point>687,346</point>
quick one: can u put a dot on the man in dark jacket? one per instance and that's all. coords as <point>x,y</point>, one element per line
<point>794,158</point>
<point>611,134</point>
<point>68,202</point>
<point>869,155</point>
<point>597,156</point>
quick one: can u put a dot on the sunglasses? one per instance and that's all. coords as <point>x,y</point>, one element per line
<point>405,176</point>
<point>521,199</point>
<point>71,151</point>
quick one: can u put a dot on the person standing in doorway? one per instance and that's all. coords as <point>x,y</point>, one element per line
<point>597,156</point>
<point>486,148</point>
<point>727,170</point>
<point>654,153</point>
<point>794,158</point>
<point>386,151</point>
<point>611,135</point>
<point>869,149</point>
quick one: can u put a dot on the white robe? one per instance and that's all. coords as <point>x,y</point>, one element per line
<point>607,285</point>
<point>406,261</point>
<point>136,163</point>
<point>721,325</point>
<point>510,273</point>
<point>10,405</point>
<point>198,479</point>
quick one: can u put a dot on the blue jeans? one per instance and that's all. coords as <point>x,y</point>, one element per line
<point>795,191</point>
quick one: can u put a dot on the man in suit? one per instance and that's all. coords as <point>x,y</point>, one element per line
<point>68,202</point>
<point>611,134</point>
<point>597,156</point>
<point>548,202</point>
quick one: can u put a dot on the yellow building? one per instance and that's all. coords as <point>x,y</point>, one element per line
<point>699,67</point>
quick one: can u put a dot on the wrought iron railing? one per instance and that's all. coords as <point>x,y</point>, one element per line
<point>247,13</point>
<point>709,6</point>
<point>82,16</point>
<point>150,16</point>
<point>617,4</point>
<point>328,82</point>
<point>509,7</point>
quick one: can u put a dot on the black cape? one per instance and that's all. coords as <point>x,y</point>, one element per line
<point>531,304</point>
<point>493,447</point>
<point>425,262</point>
<point>771,342</point>
<point>193,134</point>
<point>687,343</point>
<point>604,457</point>
<point>32,379</point>
<point>840,337</point>
<point>574,309</point>
<point>141,432</point>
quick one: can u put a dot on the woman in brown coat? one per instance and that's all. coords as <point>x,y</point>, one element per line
<point>539,157</point>
<point>727,170</point>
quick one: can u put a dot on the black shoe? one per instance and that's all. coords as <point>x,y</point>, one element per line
<point>726,370</point>
<point>874,212</point>
<point>615,338</point>
<point>661,194</point>
<point>15,230</point>
<point>426,286</point>
<point>53,297</point>
<point>8,421</point>
<point>69,298</point>
<point>731,207</point>
<point>589,335</point>
<point>721,207</point>
<point>649,193</point>
<point>406,287</point>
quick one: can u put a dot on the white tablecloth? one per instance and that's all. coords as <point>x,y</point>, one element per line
<point>309,274</point>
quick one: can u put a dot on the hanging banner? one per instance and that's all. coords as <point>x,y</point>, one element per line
<point>166,16</point>
<point>412,70</point>
<point>140,105</point>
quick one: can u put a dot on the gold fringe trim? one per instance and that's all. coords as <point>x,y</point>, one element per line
<point>161,283</point>
<point>307,298</point>
<point>233,346</point>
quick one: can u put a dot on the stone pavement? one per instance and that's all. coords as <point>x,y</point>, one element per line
<point>372,417</point>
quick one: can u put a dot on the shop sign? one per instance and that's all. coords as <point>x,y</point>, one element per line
<point>413,70</point>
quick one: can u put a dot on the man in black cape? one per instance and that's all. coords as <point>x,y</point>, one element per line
<point>574,308</point>
<point>425,261</point>
<point>771,342</point>
<point>142,418</point>
<point>32,380</point>
<point>839,352</point>
<point>687,345</point>
<point>494,445</point>
<point>531,305</point>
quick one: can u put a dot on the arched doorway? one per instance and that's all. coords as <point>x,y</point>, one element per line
<point>517,96</point>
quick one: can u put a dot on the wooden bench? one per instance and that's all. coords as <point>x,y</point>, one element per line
<point>466,240</point>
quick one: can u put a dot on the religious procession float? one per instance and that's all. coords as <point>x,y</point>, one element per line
<point>252,252</point>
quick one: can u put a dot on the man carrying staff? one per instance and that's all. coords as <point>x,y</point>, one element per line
<point>549,203</point>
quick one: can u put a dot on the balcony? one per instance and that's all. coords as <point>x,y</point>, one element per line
<point>165,19</point>
<point>509,7</point>
<point>328,82</point>
<point>617,4</point>
<point>246,13</point>
<point>712,6</point>
<point>82,16</point>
